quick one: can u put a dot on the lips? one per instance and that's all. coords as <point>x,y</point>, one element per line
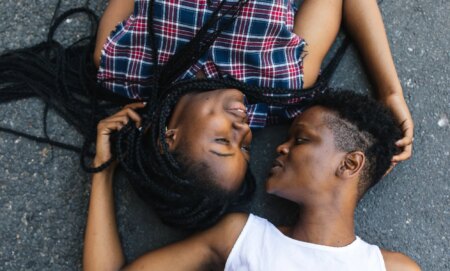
<point>238,109</point>
<point>277,163</point>
<point>276,167</point>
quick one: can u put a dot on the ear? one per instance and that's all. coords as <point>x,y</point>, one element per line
<point>351,165</point>
<point>170,138</point>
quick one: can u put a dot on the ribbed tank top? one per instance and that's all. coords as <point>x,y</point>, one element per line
<point>261,246</point>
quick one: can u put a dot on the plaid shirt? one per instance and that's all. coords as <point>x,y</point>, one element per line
<point>259,48</point>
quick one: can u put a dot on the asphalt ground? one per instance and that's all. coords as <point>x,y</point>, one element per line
<point>44,193</point>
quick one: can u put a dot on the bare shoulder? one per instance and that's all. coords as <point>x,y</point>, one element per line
<point>226,232</point>
<point>229,227</point>
<point>234,220</point>
<point>396,261</point>
<point>206,250</point>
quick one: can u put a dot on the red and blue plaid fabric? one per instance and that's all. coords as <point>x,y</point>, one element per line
<point>259,48</point>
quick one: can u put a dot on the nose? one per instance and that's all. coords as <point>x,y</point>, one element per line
<point>242,129</point>
<point>241,125</point>
<point>283,149</point>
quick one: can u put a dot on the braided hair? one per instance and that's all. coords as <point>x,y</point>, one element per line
<point>63,79</point>
<point>173,182</point>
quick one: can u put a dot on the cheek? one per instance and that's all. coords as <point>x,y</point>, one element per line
<point>317,171</point>
<point>305,171</point>
<point>314,169</point>
<point>209,124</point>
<point>231,174</point>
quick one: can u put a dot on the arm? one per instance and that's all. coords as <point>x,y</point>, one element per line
<point>318,21</point>
<point>207,250</point>
<point>395,261</point>
<point>102,247</point>
<point>115,12</point>
<point>365,24</point>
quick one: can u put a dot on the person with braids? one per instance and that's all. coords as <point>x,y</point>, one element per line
<point>269,46</point>
<point>340,147</point>
<point>263,43</point>
<point>261,60</point>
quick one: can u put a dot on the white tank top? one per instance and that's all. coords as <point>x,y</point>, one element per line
<point>261,246</point>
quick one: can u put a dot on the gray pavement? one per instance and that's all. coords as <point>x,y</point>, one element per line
<point>44,193</point>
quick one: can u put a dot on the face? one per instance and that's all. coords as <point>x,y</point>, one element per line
<point>213,126</point>
<point>306,166</point>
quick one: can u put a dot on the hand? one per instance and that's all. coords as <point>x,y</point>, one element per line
<point>396,103</point>
<point>114,123</point>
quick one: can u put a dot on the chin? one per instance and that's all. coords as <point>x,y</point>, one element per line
<point>230,186</point>
<point>270,187</point>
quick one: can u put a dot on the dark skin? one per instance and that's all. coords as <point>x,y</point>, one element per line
<point>318,22</point>
<point>323,180</point>
<point>225,137</point>
<point>310,171</point>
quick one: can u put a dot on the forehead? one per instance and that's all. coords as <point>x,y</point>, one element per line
<point>314,117</point>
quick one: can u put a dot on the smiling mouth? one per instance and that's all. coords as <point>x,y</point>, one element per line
<point>238,109</point>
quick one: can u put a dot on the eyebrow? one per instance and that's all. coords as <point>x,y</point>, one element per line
<point>305,127</point>
<point>307,130</point>
<point>300,124</point>
<point>221,154</point>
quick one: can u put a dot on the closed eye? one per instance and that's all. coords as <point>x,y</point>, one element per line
<point>300,140</point>
<point>222,141</point>
<point>246,148</point>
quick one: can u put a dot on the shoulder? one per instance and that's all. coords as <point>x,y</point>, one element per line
<point>395,261</point>
<point>222,237</point>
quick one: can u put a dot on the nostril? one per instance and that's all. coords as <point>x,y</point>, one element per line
<point>282,149</point>
<point>241,125</point>
<point>241,130</point>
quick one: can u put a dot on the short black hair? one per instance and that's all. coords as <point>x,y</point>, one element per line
<point>64,78</point>
<point>364,124</point>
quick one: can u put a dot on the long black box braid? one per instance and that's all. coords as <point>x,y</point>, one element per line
<point>64,78</point>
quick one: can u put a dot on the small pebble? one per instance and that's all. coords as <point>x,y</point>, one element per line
<point>443,121</point>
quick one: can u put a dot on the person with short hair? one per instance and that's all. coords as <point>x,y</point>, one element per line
<point>337,149</point>
<point>261,60</point>
<point>274,48</point>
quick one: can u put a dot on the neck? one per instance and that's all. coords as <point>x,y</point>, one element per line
<point>330,225</point>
